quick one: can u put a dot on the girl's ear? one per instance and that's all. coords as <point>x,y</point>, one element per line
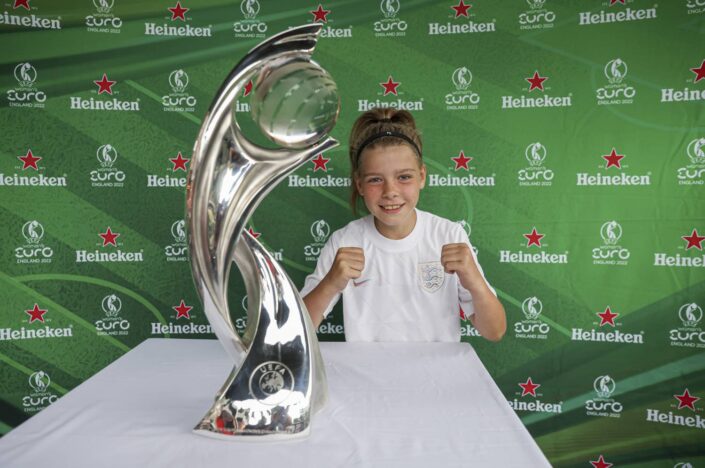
<point>358,185</point>
<point>423,175</point>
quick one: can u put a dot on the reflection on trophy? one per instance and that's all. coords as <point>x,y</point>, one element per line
<point>278,380</point>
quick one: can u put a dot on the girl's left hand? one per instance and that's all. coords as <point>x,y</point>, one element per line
<point>458,259</point>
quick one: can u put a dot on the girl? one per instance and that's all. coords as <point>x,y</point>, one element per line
<point>402,272</point>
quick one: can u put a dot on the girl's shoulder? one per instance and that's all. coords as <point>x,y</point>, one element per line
<point>439,227</point>
<point>352,231</point>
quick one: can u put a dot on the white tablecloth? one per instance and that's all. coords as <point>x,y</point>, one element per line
<point>391,405</point>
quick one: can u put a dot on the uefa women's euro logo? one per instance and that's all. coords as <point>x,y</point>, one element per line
<point>536,174</point>
<point>610,252</point>
<point>103,20</point>
<point>112,324</point>
<point>616,91</point>
<point>39,397</point>
<point>689,335</point>
<point>250,26</point>
<point>107,175</point>
<point>33,250</point>
<point>462,98</point>
<point>26,94</point>
<point>531,327</point>
<point>179,100</point>
<point>536,17</point>
<point>390,25</point>
<point>320,230</point>
<point>693,173</point>
<point>604,405</point>
<point>178,250</point>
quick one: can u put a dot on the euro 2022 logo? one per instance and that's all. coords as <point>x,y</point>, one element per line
<point>616,91</point>
<point>177,252</point>
<point>39,398</point>
<point>604,405</point>
<point>610,252</point>
<point>320,230</point>
<point>536,17</point>
<point>462,98</point>
<point>34,250</point>
<point>390,25</point>
<point>103,21</point>
<point>112,324</point>
<point>179,100</point>
<point>690,335</point>
<point>536,173</point>
<point>107,175</point>
<point>26,94</point>
<point>250,26</point>
<point>693,173</point>
<point>531,327</point>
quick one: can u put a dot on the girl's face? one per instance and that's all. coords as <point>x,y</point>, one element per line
<point>389,180</point>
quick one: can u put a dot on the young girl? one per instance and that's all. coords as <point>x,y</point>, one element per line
<point>402,272</point>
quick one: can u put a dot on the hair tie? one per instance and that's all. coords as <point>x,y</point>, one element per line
<point>387,133</point>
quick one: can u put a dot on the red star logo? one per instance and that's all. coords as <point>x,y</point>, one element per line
<point>607,317</point>
<point>182,310</point>
<point>390,87</point>
<point>253,233</point>
<point>179,162</point>
<point>461,9</point>
<point>612,2</point>
<point>461,161</point>
<point>529,387</point>
<point>693,240</point>
<point>105,85</point>
<point>29,160</point>
<point>109,237</point>
<point>600,462</point>
<point>319,14</point>
<point>178,12</point>
<point>533,238</point>
<point>319,162</point>
<point>21,3</point>
<point>536,81</point>
<point>613,159</point>
<point>686,400</point>
<point>36,314</point>
<point>699,72</point>
<point>248,89</point>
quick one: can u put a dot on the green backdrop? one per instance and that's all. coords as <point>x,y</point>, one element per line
<point>581,120</point>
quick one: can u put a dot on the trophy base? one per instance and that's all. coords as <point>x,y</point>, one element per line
<point>258,437</point>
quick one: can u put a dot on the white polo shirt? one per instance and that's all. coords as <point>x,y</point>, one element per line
<point>403,293</point>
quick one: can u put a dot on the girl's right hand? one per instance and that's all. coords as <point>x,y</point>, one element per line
<point>348,264</point>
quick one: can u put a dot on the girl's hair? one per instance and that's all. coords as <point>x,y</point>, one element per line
<point>380,127</point>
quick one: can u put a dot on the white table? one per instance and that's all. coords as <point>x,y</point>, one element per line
<point>391,405</point>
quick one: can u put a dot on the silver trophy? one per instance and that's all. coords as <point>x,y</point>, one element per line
<point>278,380</point>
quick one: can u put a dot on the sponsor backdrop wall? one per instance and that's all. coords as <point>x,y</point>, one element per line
<point>568,138</point>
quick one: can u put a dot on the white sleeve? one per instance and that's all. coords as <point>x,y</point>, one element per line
<point>325,262</point>
<point>464,295</point>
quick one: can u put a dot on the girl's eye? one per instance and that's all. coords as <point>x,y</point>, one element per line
<point>405,177</point>
<point>373,180</point>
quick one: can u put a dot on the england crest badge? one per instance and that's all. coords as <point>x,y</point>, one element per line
<point>431,276</point>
